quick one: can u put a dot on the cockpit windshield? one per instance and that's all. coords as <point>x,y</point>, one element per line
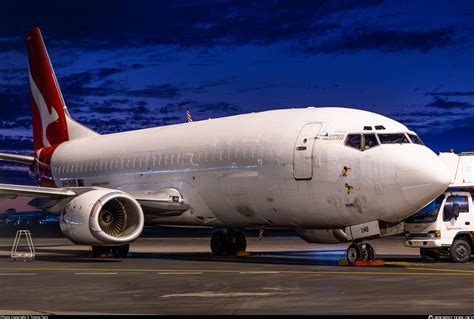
<point>427,214</point>
<point>394,138</point>
<point>416,139</point>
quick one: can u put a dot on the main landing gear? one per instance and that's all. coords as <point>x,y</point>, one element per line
<point>111,251</point>
<point>228,243</point>
<point>360,251</point>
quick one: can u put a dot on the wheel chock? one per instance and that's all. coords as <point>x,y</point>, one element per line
<point>361,263</point>
<point>343,262</point>
<point>366,263</point>
<point>243,254</point>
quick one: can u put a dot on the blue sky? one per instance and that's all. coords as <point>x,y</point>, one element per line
<point>129,65</point>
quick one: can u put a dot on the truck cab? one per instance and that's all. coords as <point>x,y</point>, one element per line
<point>444,227</point>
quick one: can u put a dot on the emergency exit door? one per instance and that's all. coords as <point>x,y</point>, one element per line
<point>303,152</point>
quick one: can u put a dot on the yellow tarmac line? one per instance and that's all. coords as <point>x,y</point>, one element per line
<point>442,272</point>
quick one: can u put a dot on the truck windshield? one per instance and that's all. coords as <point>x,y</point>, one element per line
<point>427,214</point>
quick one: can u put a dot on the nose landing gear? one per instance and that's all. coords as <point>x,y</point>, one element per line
<point>360,251</point>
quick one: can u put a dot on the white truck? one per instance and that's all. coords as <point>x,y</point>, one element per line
<point>445,227</point>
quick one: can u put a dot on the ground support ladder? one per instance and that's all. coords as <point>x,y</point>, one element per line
<point>15,254</point>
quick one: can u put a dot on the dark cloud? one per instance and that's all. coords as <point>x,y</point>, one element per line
<point>451,93</point>
<point>417,114</point>
<point>87,77</point>
<point>156,91</point>
<point>451,137</point>
<point>12,43</point>
<point>105,72</point>
<point>307,24</point>
<point>369,37</point>
<point>14,101</point>
<point>210,84</point>
<point>18,123</point>
<point>445,104</point>
<point>219,108</point>
<point>16,143</point>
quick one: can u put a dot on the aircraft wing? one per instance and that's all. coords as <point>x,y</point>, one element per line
<point>10,191</point>
<point>156,203</point>
<point>28,160</point>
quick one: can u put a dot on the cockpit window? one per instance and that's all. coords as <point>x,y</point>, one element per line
<point>370,140</point>
<point>393,138</point>
<point>415,139</point>
<point>354,140</point>
<point>362,142</point>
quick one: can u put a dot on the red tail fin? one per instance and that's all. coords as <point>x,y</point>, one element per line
<point>48,108</point>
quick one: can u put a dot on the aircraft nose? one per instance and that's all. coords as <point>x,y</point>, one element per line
<point>422,176</point>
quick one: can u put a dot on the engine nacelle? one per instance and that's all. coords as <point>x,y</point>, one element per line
<point>102,217</point>
<point>323,236</point>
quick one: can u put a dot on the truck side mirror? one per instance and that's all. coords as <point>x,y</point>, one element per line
<point>456,210</point>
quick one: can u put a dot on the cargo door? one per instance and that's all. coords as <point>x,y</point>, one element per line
<point>303,152</point>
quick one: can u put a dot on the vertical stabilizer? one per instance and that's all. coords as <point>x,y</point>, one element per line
<point>52,124</point>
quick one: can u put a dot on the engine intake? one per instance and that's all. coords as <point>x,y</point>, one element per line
<point>102,216</point>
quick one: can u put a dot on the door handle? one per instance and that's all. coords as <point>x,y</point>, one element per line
<point>467,223</point>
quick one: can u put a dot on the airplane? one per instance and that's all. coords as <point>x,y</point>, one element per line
<point>333,174</point>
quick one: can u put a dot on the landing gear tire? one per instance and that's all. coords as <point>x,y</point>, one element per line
<point>354,253</point>
<point>359,251</point>
<point>111,251</point>
<point>239,243</point>
<point>228,243</point>
<point>370,251</point>
<point>460,251</point>
<point>220,243</point>
<point>429,254</point>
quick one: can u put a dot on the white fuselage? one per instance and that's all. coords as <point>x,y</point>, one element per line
<point>279,168</point>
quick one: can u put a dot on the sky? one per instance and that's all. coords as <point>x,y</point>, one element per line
<point>126,65</point>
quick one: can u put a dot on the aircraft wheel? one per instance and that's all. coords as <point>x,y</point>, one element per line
<point>370,252</point>
<point>120,251</point>
<point>353,253</point>
<point>220,243</point>
<point>97,251</point>
<point>239,243</point>
<point>110,251</point>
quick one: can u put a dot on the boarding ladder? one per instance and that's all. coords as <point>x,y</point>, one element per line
<point>22,255</point>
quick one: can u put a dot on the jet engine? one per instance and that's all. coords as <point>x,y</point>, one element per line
<point>102,217</point>
<point>323,236</point>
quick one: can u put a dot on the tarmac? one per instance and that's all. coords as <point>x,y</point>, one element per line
<point>281,275</point>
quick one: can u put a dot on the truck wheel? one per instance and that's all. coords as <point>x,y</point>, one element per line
<point>429,254</point>
<point>460,251</point>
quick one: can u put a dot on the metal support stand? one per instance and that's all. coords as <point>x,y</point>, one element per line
<point>260,235</point>
<point>15,254</point>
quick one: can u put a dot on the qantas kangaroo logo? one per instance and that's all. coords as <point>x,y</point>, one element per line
<point>47,116</point>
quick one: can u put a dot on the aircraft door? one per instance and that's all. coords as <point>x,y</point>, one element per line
<point>303,152</point>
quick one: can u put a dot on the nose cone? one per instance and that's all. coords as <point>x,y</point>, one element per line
<point>422,175</point>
